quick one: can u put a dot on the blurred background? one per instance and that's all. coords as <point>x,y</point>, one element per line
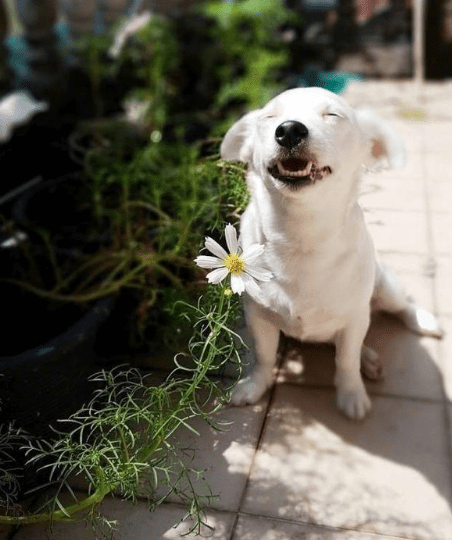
<point>371,37</point>
<point>210,52</point>
<point>374,38</point>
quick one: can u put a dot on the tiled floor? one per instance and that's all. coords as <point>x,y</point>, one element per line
<point>292,467</point>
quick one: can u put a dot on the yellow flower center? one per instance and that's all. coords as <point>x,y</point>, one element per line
<point>234,263</point>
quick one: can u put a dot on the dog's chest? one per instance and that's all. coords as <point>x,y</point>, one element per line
<point>312,299</point>
<point>311,318</point>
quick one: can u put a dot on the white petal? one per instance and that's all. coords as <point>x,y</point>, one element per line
<point>237,283</point>
<point>261,274</point>
<point>215,248</point>
<point>252,252</point>
<point>217,275</point>
<point>204,261</point>
<point>231,238</point>
<point>251,287</point>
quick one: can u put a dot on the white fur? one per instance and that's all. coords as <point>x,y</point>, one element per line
<point>316,242</point>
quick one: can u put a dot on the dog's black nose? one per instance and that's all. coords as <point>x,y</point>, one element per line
<point>290,133</point>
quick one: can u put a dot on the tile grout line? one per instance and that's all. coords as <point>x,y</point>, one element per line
<point>432,262</point>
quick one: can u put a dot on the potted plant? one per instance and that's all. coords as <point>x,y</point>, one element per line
<point>121,439</point>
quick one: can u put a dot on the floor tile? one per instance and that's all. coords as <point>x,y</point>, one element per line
<point>416,274</point>
<point>259,528</point>
<point>442,233</point>
<point>419,288</point>
<point>310,364</point>
<point>440,196</point>
<point>437,136</point>
<point>135,522</point>
<point>438,100</point>
<point>392,194</point>
<point>410,174</point>
<point>404,264</point>
<point>403,232</point>
<point>389,99</point>
<point>438,168</point>
<point>410,362</point>
<point>411,135</point>
<point>225,456</point>
<point>388,474</point>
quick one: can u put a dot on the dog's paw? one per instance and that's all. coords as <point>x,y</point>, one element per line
<point>250,389</point>
<point>371,366</point>
<point>352,400</point>
<point>421,322</point>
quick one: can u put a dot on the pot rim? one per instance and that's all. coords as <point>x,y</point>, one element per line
<point>93,318</point>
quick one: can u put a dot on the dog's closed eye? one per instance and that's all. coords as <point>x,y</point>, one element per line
<point>330,115</point>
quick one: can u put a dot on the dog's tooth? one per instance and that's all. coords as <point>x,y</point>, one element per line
<point>280,168</point>
<point>307,170</point>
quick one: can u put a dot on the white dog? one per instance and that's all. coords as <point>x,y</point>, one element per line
<point>306,151</point>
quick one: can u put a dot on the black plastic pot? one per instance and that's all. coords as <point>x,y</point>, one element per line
<point>47,347</point>
<point>49,381</point>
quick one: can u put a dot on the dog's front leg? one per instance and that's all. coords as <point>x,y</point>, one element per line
<point>264,337</point>
<point>352,398</point>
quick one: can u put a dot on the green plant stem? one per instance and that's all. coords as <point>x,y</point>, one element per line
<point>206,364</point>
<point>107,287</point>
<point>152,208</point>
<point>68,514</point>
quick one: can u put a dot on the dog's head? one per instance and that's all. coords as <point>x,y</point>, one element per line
<point>306,135</point>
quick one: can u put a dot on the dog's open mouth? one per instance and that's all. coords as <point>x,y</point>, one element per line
<point>297,171</point>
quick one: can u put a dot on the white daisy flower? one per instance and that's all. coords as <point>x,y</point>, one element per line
<point>240,264</point>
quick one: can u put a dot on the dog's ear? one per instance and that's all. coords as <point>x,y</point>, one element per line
<point>237,144</point>
<point>385,144</point>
